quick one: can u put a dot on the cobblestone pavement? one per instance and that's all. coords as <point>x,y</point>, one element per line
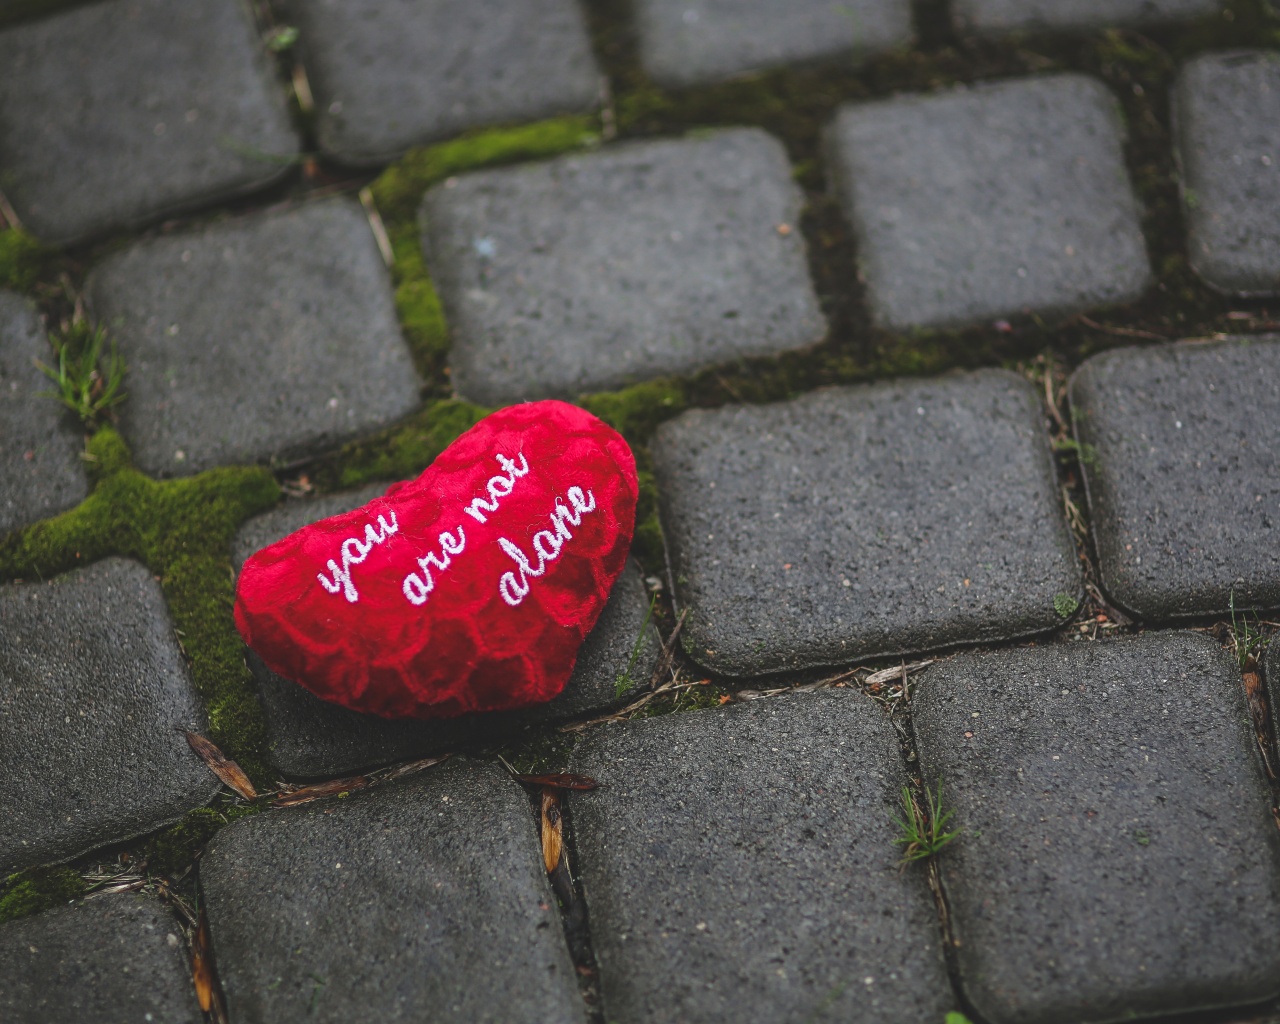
<point>947,337</point>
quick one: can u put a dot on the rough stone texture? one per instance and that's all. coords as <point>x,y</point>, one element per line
<point>391,74</point>
<point>997,16</point>
<point>1183,474</point>
<point>684,42</point>
<point>270,335</point>
<point>739,865</point>
<point>989,201</point>
<point>119,113</point>
<point>592,272</point>
<point>40,469</point>
<point>311,737</point>
<point>111,959</point>
<point>863,521</point>
<point>421,898</point>
<point>92,690</point>
<point>1226,105</point>
<point>1271,679</point>
<point>1119,859</point>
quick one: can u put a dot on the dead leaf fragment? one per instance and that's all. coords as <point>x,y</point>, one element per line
<point>201,972</point>
<point>888,675</point>
<point>552,829</point>
<point>305,794</point>
<point>222,766</point>
<point>559,780</point>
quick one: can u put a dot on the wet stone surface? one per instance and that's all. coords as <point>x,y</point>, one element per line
<point>312,737</point>
<point>863,521</point>
<point>267,336</point>
<point>997,16</point>
<point>1119,856</point>
<point>389,74</point>
<point>739,864</point>
<point>425,895</point>
<point>119,113</point>
<point>1225,106</point>
<point>685,42</point>
<point>92,691</point>
<point>41,473</point>
<point>990,201</point>
<point>1183,474</point>
<point>114,958</point>
<point>644,259</point>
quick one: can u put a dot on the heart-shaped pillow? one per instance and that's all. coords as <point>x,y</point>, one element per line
<point>470,588</point>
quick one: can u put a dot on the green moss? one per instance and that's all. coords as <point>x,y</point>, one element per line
<point>636,411</point>
<point>182,530</point>
<point>170,852</point>
<point>23,260</point>
<point>30,892</point>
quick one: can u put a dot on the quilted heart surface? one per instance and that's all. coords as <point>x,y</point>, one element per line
<point>470,588</point>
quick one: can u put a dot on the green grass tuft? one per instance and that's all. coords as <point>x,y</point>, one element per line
<point>30,892</point>
<point>87,378</point>
<point>923,833</point>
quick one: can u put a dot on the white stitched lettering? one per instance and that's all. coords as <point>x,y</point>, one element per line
<point>499,486</point>
<point>353,553</point>
<point>546,545</point>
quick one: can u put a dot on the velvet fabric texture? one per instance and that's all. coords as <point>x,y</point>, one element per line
<point>470,588</point>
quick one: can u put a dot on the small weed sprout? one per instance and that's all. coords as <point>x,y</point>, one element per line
<point>1065,605</point>
<point>1246,638</point>
<point>624,682</point>
<point>923,832</point>
<point>88,378</point>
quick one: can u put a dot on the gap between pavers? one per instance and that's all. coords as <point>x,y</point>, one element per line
<point>423,898</point>
<point>860,522</point>
<point>93,693</point>
<point>116,114</point>
<point>266,336</point>
<point>311,737</point>
<point>990,200</point>
<point>739,863</point>
<point>1224,108</point>
<point>103,961</point>
<point>1119,857</point>
<point>41,473</point>
<point>996,17</point>
<point>645,259</point>
<point>388,75</point>
<point>690,42</point>
<point>1180,453</point>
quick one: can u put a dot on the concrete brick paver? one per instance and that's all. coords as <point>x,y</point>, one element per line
<point>1225,108</point>
<point>989,201</point>
<point>685,42</point>
<point>264,336</point>
<point>1183,474</point>
<point>591,272</point>
<point>92,688</point>
<point>391,74</point>
<point>41,472</point>
<point>863,521</point>
<point>739,865</point>
<point>421,898</point>
<point>1119,857</point>
<point>311,737</point>
<point>119,113</point>
<point>997,16</point>
<point>114,958</point>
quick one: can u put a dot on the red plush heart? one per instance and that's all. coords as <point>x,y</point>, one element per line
<point>470,588</point>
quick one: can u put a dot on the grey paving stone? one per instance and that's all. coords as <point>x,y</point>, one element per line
<point>92,690</point>
<point>269,335</point>
<point>863,521</point>
<point>420,899</point>
<point>40,469</point>
<point>739,864</point>
<point>449,64</point>
<point>1224,107</point>
<point>998,16</point>
<point>1119,858</point>
<point>119,113</point>
<point>592,272</point>
<point>311,737</point>
<point>684,42</point>
<point>998,199</point>
<point>110,959</point>
<point>1183,474</point>
<point>1271,680</point>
